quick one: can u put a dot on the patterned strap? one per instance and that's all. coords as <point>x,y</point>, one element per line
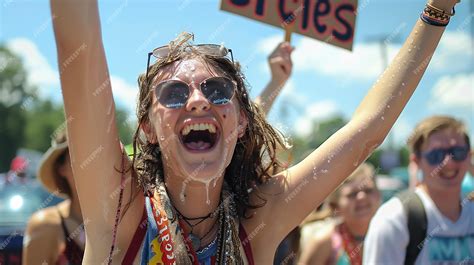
<point>247,248</point>
<point>119,207</point>
<point>137,240</point>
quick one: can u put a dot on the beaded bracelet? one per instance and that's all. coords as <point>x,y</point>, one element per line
<point>435,16</point>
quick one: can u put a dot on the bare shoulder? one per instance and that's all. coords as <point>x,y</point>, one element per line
<point>316,244</point>
<point>45,221</point>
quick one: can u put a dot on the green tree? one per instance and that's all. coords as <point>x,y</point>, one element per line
<point>43,117</point>
<point>14,95</point>
<point>320,132</point>
<point>125,124</point>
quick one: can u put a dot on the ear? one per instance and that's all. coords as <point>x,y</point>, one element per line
<point>61,170</point>
<point>415,159</point>
<point>149,132</point>
<point>243,122</point>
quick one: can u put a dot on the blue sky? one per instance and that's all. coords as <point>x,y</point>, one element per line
<point>326,80</point>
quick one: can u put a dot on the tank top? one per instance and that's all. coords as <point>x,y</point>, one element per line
<point>146,235</point>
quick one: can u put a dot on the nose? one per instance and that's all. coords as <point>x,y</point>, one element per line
<point>362,194</point>
<point>197,101</point>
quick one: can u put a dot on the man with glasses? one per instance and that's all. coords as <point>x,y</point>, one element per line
<point>434,224</point>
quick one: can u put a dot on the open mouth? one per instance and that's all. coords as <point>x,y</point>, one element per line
<point>448,174</point>
<point>199,136</point>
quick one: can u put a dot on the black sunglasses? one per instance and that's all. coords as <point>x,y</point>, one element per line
<point>174,94</point>
<point>436,156</point>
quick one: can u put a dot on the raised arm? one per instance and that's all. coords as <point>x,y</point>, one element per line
<point>306,184</point>
<point>280,66</point>
<point>90,114</point>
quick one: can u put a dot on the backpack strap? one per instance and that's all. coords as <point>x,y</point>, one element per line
<point>417,224</point>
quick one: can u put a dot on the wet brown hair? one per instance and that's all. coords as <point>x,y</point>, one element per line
<point>254,159</point>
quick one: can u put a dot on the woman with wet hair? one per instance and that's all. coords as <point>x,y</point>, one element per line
<point>201,187</point>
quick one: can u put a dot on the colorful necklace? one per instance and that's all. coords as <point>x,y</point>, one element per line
<point>177,246</point>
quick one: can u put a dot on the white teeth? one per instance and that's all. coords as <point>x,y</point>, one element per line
<point>199,127</point>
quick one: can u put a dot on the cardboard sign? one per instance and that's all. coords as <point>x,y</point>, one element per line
<point>332,21</point>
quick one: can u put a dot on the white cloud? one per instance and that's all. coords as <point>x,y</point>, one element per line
<point>41,74</point>
<point>363,63</point>
<point>455,91</point>
<point>125,94</point>
<point>318,111</point>
<point>39,71</point>
<point>455,46</point>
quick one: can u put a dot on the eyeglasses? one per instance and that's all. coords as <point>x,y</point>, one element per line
<point>353,195</point>
<point>436,156</point>
<point>174,94</point>
<point>212,50</point>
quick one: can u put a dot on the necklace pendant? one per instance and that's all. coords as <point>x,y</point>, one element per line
<point>195,241</point>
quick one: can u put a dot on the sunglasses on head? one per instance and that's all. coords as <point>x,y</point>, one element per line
<point>174,94</point>
<point>436,156</point>
<point>212,50</point>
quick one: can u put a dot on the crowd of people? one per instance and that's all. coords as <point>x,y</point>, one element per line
<point>204,183</point>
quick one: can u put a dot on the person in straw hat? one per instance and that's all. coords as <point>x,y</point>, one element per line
<point>55,235</point>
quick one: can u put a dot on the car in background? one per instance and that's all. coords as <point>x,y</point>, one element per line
<point>17,204</point>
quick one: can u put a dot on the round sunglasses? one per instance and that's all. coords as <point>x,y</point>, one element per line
<point>174,94</point>
<point>436,156</point>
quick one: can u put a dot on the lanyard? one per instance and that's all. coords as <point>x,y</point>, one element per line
<point>352,249</point>
<point>165,239</point>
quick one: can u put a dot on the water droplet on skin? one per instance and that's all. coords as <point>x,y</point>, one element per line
<point>192,68</point>
<point>329,161</point>
<point>168,125</point>
<point>181,194</point>
<point>162,138</point>
<point>324,171</point>
<point>215,183</point>
<point>403,84</point>
<point>356,163</point>
<point>383,118</point>
<point>208,202</point>
<point>388,106</point>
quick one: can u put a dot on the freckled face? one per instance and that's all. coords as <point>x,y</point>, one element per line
<point>198,139</point>
<point>449,173</point>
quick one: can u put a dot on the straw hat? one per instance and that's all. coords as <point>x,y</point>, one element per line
<point>47,174</point>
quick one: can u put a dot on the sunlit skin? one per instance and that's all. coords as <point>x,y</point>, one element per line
<point>443,182</point>
<point>307,183</point>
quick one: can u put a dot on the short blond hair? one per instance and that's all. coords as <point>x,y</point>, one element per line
<point>433,124</point>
